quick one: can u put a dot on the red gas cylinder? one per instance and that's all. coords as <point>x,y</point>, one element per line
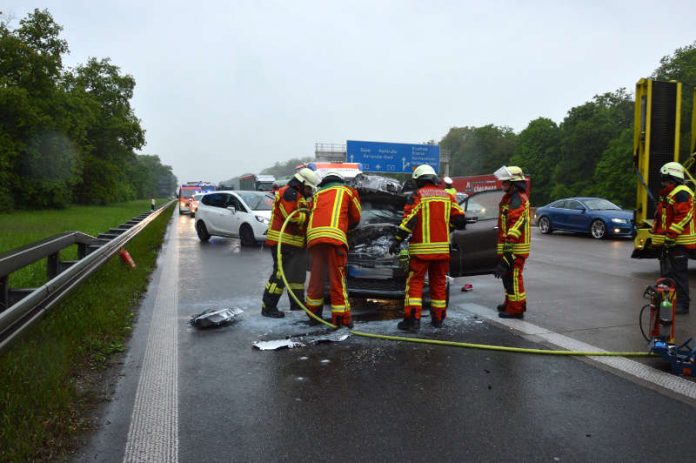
<point>126,257</point>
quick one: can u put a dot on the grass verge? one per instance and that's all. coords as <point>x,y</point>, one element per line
<point>24,227</point>
<point>42,399</point>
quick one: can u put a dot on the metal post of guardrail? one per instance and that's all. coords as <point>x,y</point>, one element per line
<point>4,290</point>
<point>53,265</point>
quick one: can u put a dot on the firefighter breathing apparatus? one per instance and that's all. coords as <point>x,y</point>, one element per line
<point>436,342</point>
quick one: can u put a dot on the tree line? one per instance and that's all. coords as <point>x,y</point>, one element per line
<point>68,135</point>
<point>590,153</point>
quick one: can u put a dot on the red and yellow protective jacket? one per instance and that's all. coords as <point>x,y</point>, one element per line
<point>429,214</point>
<point>513,223</point>
<point>674,216</point>
<point>287,199</point>
<point>335,209</point>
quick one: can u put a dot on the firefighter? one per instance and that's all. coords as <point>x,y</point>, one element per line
<point>296,194</point>
<point>449,188</point>
<point>429,214</point>
<point>513,240</point>
<point>335,209</point>
<point>674,230</point>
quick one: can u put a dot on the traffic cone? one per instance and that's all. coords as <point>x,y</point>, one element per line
<point>126,257</point>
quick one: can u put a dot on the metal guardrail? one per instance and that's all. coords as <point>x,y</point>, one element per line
<point>26,306</point>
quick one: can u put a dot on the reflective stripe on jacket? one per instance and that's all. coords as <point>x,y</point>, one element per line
<point>335,209</point>
<point>674,216</point>
<point>427,215</point>
<point>513,223</point>
<point>287,199</point>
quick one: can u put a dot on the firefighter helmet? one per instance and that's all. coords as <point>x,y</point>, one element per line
<point>510,174</point>
<point>332,176</point>
<point>672,171</point>
<point>425,173</point>
<point>308,178</point>
<point>448,181</point>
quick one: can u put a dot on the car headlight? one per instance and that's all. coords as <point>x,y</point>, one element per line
<point>619,220</point>
<point>262,219</point>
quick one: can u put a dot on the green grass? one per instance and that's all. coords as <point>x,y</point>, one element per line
<point>42,398</point>
<point>20,228</point>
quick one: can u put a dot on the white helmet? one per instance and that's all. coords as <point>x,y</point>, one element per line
<point>673,169</point>
<point>332,176</point>
<point>510,174</point>
<point>423,169</point>
<point>447,180</point>
<point>308,177</point>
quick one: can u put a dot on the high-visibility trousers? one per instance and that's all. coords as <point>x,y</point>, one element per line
<point>676,267</point>
<point>295,269</point>
<point>437,274</point>
<point>328,259</point>
<point>515,297</point>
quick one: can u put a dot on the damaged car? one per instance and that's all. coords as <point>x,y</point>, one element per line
<point>372,272</point>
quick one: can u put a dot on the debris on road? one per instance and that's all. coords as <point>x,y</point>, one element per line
<point>467,287</point>
<point>289,343</point>
<point>277,344</point>
<point>214,318</point>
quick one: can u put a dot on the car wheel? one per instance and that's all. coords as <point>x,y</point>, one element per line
<point>545,225</point>
<point>246,235</point>
<point>598,230</point>
<point>202,231</point>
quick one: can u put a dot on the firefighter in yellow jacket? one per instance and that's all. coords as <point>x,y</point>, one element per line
<point>335,209</point>
<point>513,240</point>
<point>429,215</point>
<point>295,195</point>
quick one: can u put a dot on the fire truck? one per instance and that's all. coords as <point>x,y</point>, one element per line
<point>186,192</point>
<point>656,141</point>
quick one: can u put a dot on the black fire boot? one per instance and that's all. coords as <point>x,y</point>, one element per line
<point>409,324</point>
<point>314,322</point>
<point>272,313</point>
<point>436,323</point>
<point>510,315</point>
<point>501,307</point>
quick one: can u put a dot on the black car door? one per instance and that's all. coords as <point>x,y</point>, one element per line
<point>473,250</point>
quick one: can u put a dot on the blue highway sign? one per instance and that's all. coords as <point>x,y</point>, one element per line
<point>392,157</point>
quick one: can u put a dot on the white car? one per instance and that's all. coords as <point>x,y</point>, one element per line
<point>237,214</point>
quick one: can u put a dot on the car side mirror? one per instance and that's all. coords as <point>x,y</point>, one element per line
<point>471,219</point>
<point>232,208</point>
<point>580,208</point>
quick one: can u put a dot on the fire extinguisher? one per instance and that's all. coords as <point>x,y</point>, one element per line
<point>126,257</point>
<point>663,298</point>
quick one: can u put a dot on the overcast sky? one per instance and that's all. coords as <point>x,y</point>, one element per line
<point>225,87</point>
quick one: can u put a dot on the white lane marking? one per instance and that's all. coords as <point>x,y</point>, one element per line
<point>153,434</point>
<point>638,370</point>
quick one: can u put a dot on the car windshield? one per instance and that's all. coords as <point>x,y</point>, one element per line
<point>599,204</point>
<point>483,205</point>
<point>188,193</point>
<point>198,196</point>
<point>257,200</point>
<point>373,212</point>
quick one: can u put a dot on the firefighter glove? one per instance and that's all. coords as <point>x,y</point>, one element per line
<point>504,265</point>
<point>669,242</point>
<point>395,247</point>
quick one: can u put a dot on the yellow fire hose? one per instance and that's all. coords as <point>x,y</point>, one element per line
<point>435,341</point>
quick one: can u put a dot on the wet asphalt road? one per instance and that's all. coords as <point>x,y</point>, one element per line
<point>370,400</point>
